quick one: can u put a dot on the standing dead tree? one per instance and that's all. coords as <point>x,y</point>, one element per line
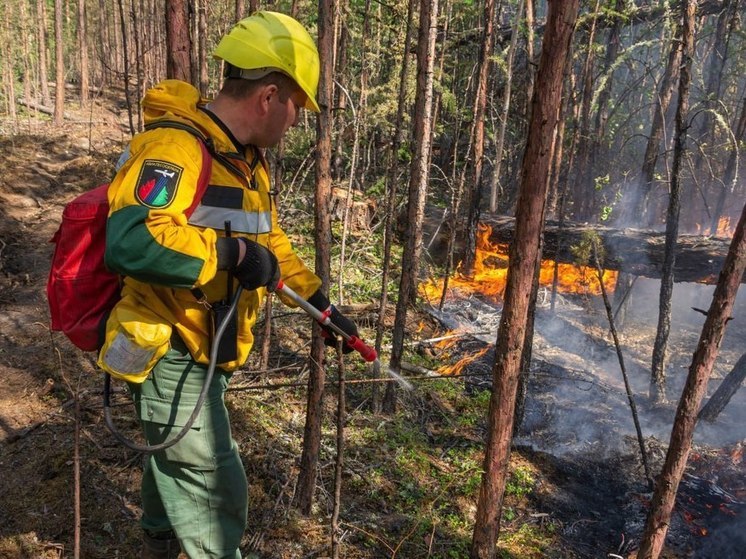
<point>524,255</point>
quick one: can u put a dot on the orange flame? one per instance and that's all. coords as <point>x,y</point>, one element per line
<point>491,272</point>
<point>457,368</point>
<point>725,229</point>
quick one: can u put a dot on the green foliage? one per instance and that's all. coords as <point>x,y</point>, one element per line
<point>520,483</point>
<point>590,244</point>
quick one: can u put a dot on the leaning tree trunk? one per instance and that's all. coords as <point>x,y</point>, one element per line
<point>730,385</point>
<point>312,431</point>
<point>524,256</point>
<point>417,185</point>
<point>658,374</point>
<point>661,507</point>
<point>179,46</point>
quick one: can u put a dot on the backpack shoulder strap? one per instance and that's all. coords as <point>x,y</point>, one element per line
<point>205,145</point>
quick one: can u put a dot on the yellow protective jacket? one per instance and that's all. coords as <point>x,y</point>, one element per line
<point>163,255</point>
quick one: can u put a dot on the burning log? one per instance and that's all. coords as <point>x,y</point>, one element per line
<point>698,259</point>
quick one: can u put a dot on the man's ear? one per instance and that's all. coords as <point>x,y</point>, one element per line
<point>266,93</point>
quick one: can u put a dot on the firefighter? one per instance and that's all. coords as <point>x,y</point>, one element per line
<point>177,270</point>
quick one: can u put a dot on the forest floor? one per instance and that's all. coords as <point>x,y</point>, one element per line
<point>410,482</point>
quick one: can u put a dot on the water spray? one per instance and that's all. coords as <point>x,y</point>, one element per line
<point>368,353</point>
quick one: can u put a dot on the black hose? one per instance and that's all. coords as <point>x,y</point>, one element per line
<point>197,407</point>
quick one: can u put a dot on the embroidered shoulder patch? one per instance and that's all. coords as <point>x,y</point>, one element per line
<point>157,183</point>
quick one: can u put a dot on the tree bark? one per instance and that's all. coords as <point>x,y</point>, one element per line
<point>658,374</point>
<point>322,229</point>
<point>41,13</point>
<point>730,177</point>
<point>583,194</point>
<point>178,43</point>
<point>659,517</point>
<point>524,255</point>
<point>657,130</point>
<point>730,385</point>
<point>480,104</point>
<point>59,94</point>
<point>204,78</point>
<point>391,195</point>
<point>505,110</point>
<point>417,184</point>
<point>240,9</point>
<point>125,54</point>
<point>83,49</point>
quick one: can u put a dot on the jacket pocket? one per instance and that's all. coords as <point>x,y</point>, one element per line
<point>136,338</point>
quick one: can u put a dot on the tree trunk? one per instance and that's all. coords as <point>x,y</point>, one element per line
<point>583,193</point>
<point>125,54</point>
<point>178,43</point>
<point>661,507</point>
<point>657,130</point>
<point>524,255</point>
<point>240,9</point>
<point>417,185</point>
<point>658,374</point>
<point>41,13</point>
<point>391,196</point>
<point>59,81</point>
<point>504,112</point>
<point>138,37</point>
<point>83,48</point>
<point>731,170</point>
<point>730,385</point>
<point>358,126</point>
<point>322,225</point>
<point>480,104</point>
<point>204,79</point>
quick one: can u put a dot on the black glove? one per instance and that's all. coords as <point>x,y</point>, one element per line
<point>258,268</point>
<point>339,320</point>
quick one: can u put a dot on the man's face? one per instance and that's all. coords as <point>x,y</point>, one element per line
<point>284,112</point>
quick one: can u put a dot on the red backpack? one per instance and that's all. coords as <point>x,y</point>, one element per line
<point>81,291</point>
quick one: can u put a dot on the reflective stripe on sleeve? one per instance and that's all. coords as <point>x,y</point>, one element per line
<point>255,223</point>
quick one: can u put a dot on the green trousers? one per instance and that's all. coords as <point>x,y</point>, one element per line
<point>197,488</point>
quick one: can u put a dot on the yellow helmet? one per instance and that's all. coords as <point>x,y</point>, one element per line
<point>270,41</point>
